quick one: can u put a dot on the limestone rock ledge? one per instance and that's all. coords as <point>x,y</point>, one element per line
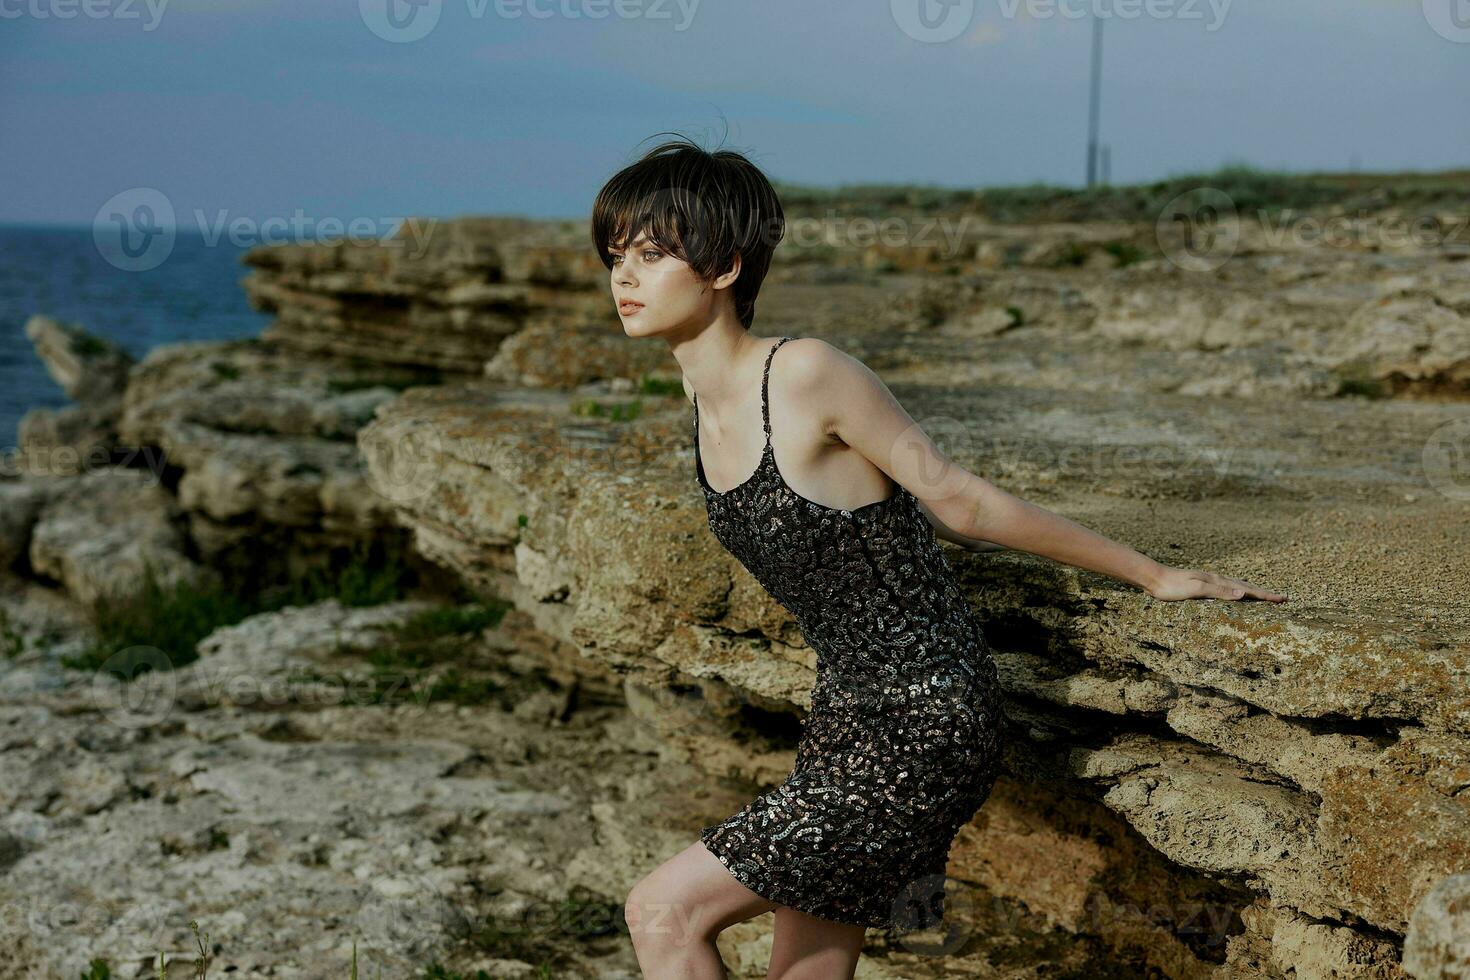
<point>440,294</point>
<point>1296,771</point>
<point>256,441</point>
<point>93,372</point>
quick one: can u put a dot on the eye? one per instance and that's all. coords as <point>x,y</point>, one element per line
<point>650,251</point>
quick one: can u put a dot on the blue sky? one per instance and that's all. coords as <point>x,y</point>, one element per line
<point>269,108</point>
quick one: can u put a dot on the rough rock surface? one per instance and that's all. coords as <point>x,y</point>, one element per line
<point>559,355</point>
<point>441,294</point>
<point>85,366</point>
<point>1198,789</point>
<point>259,791</point>
<point>1191,415</point>
<point>1313,753</point>
<point>98,534</point>
<point>1438,941</point>
<point>94,373</point>
<point>257,442</point>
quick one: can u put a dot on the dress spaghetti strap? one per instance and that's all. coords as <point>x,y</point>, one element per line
<point>765,389</point>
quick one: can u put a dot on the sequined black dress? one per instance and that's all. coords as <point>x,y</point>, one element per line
<point>902,742</point>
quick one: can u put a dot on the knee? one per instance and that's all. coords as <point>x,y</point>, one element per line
<point>644,908</point>
<point>653,912</point>
<point>638,899</point>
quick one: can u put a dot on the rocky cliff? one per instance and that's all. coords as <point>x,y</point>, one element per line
<point>1195,789</point>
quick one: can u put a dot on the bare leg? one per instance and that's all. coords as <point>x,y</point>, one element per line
<point>809,948</point>
<point>675,913</point>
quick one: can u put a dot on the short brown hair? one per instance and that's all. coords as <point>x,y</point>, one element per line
<point>700,206</point>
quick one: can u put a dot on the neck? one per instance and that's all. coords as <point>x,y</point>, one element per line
<point>719,360</point>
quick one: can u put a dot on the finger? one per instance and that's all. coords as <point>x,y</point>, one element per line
<point>1240,589</point>
<point>1256,592</point>
<point>1217,586</point>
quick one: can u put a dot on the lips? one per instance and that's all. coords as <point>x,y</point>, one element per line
<point>627,306</point>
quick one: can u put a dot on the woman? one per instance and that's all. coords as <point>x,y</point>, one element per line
<point>829,493</point>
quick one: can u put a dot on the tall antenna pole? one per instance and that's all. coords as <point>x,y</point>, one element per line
<point>1097,26</point>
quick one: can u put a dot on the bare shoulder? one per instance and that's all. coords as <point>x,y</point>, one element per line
<point>811,361</point>
<point>825,381</point>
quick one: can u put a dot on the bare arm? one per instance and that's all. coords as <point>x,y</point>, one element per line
<point>858,407</point>
<point>943,530</point>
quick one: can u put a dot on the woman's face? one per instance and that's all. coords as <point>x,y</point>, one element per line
<point>672,296</point>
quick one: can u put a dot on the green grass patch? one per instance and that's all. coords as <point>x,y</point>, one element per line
<point>616,411</point>
<point>1355,380</point>
<point>1126,253</point>
<point>171,619</point>
<point>167,619</point>
<point>397,381</point>
<point>433,624</point>
<point>12,641</point>
<point>660,387</point>
<point>1072,255</point>
<point>424,659</point>
<point>86,345</point>
<point>1361,387</point>
<point>436,972</point>
<point>362,577</point>
<point>1251,188</point>
<point>544,931</point>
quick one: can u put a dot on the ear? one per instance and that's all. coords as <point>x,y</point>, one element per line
<point>725,279</point>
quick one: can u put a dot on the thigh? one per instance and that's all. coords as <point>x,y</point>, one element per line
<point>809,948</point>
<point>692,895</point>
